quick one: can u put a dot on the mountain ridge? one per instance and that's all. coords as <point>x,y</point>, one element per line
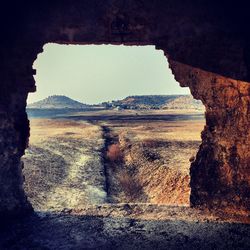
<point>157,102</point>
<point>130,102</point>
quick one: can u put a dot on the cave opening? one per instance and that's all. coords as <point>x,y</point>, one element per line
<point>109,124</point>
<point>207,50</point>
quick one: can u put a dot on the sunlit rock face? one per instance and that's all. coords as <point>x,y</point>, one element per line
<point>193,33</point>
<point>220,175</point>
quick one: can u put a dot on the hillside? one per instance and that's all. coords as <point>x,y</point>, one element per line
<point>57,102</point>
<point>157,102</point>
<point>130,102</point>
<point>184,102</point>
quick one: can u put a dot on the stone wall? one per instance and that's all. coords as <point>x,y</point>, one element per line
<point>208,36</point>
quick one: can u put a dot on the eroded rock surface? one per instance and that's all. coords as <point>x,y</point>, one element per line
<point>220,175</point>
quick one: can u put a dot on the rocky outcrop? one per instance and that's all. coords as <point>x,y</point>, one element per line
<point>14,126</point>
<point>193,33</point>
<point>220,174</point>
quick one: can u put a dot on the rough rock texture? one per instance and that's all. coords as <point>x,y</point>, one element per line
<point>221,172</point>
<point>193,33</point>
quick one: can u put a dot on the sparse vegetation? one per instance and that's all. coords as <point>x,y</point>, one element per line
<point>157,102</point>
<point>148,161</point>
<point>63,167</point>
<point>155,161</point>
<point>57,102</point>
<point>150,155</point>
<point>129,184</point>
<point>114,153</point>
<point>150,143</point>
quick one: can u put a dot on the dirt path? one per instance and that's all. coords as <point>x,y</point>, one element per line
<point>83,184</point>
<point>67,168</point>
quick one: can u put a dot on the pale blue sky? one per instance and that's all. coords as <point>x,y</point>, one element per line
<point>97,73</point>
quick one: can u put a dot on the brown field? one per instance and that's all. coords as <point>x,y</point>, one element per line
<point>63,166</point>
<point>155,160</point>
<point>139,159</point>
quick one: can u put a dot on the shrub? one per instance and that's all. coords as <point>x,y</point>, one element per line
<point>114,153</point>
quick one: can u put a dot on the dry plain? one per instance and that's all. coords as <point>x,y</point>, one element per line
<point>112,180</point>
<point>114,157</point>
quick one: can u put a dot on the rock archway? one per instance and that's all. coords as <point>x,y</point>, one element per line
<point>220,174</point>
<point>207,52</point>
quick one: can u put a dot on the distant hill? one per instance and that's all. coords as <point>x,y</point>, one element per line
<point>184,102</point>
<point>57,102</point>
<point>130,102</point>
<point>157,102</point>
